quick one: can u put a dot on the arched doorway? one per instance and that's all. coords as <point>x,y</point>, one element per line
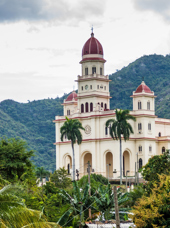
<point>126,162</point>
<point>109,165</point>
<point>68,163</point>
<point>87,158</point>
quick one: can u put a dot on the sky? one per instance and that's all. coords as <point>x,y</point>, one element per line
<point>41,41</point>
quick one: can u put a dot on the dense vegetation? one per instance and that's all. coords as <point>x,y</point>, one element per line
<point>33,121</point>
<point>69,204</point>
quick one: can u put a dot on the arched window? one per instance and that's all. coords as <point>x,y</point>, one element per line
<point>101,71</point>
<point>93,70</point>
<point>86,71</point>
<point>149,126</point>
<point>140,148</point>
<point>139,105</point>
<point>68,112</point>
<point>148,105</point>
<point>105,106</point>
<point>150,148</point>
<point>159,134</point>
<point>140,163</point>
<point>102,104</point>
<point>139,126</point>
<point>82,108</point>
<point>68,168</point>
<point>91,107</point>
<point>163,150</point>
<point>87,107</point>
<point>106,131</point>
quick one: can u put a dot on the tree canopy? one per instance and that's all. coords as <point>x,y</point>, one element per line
<point>156,165</point>
<point>15,159</point>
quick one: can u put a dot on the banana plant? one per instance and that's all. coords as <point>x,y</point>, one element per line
<point>79,205</point>
<point>105,201</point>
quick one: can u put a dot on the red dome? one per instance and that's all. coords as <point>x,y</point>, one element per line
<point>143,88</point>
<point>72,96</point>
<point>92,46</point>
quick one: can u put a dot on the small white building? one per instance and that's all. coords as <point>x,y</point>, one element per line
<point>92,107</point>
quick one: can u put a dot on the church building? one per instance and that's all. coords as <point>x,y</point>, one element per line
<point>91,105</point>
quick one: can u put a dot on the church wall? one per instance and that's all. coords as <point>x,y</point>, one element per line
<point>89,65</point>
<point>143,100</point>
<point>97,145</point>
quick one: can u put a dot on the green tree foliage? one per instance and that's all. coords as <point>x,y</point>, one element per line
<point>135,195</point>
<point>14,213</point>
<point>153,211</point>
<point>41,172</point>
<point>71,129</point>
<point>61,178</point>
<point>105,201</point>
<point>15,159</point>
<point>158,164</point>
<point>95,181</point>
<point>120,127</point>
<point>79,203</point>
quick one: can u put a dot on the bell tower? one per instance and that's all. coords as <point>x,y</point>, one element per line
<point>93,85</point>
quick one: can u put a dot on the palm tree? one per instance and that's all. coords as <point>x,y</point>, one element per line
<point>70,129</point>
<point>41,173</point>
<point>120,127</point>
<point>15,214</point>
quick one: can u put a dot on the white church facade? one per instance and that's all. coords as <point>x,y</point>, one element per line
<point>91,105</point>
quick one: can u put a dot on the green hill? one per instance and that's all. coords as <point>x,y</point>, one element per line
<point>33,121</point>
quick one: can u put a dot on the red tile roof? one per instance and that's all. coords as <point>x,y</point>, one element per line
<point>72,96</point>
<point>143,88</point>
<point>92,46</point>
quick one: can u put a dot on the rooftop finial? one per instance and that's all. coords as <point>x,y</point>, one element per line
<point>143,78</point>
<point>92,34</point>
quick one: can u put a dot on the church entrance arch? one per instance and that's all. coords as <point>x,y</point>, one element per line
<point>87,158</point>
<point>126,162</point>
<point>68,163</point>
<point>109,165</point>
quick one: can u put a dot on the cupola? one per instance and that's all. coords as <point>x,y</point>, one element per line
<point>72,97</point>
<point>92,50</point>
<point>143,88</point>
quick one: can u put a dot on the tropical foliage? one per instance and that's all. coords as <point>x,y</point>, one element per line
<point>105,201</point>
<point>71,130</point>
<point>61,178</point>
<point>79,204</point>
<point>153,211</point>
<point>156,165</point>
<point>14,213</point>
<point>120,127</point>
<point>15,159</point>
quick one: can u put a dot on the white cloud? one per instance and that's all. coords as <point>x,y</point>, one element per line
<point>46,10</point>
<point>161,7</point>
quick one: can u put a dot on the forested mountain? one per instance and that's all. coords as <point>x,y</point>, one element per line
<point>33,121</point>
